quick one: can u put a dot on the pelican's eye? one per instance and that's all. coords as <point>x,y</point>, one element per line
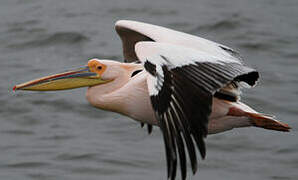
<point>97,67</point>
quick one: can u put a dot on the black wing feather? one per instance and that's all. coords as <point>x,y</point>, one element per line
<point>184,102</point>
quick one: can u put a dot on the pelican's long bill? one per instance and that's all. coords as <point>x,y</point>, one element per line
<point>80,77</point>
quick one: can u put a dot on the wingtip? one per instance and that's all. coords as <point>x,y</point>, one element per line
<point>194,168</point>
<point>203,156</point>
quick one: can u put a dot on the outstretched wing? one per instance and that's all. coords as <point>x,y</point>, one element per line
<point>132,32</point>
<point>181,84</point>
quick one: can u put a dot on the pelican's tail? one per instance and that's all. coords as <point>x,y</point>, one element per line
<point>267,122</point>
<point>257,119</point>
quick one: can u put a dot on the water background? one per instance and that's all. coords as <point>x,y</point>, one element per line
<point>59,136</point>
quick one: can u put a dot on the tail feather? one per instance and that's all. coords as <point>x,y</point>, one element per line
<point>267,122</point>
<point>258,119</point>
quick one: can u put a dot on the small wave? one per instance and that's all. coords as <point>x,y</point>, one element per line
<point>23,23</point>
<point>96,170</point>
<point>22,29</point>
<point>146,10</point>
<point>59,38</point>
<point>18,132</point>
<point>65,38</point>
<point>256,45</point>
<point>280,178</point>
<point>222,25</point>
<point>87,156</point>
<point>57,104</point>
<point>58,137</point>
<point>230,22</point>
<point>26,165</point>
<point>287,150</point>
<point>82,14</point>
<point>293,55</point>
<point>180,26</point>
<point>40,175</point>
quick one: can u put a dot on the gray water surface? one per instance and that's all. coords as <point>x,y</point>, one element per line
<point>59,136</point>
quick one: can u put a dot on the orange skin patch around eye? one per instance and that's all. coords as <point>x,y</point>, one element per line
<point>93,64</point>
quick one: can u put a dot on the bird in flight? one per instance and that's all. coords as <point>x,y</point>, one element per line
<point>186,85</point>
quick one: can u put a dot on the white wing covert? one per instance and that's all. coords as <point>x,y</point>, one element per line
<point>181,84</point>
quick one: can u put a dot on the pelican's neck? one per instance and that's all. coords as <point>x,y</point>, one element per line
<point>106,96</point>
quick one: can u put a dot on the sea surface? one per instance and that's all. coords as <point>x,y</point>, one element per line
<point>59,136</point>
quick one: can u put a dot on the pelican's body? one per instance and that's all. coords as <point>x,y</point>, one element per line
<point>129,96</point>
<point>186,85</point>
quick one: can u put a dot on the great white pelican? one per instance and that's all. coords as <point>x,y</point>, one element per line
<point>186,85</point>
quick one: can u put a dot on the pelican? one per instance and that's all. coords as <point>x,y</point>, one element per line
<point>186,85</point>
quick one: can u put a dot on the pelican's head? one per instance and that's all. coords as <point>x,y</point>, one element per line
<point>96,72</point>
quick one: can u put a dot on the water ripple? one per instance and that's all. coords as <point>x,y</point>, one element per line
<point>256,45</point>
<point>148,10</point>
<point>58,137</point>
<point>58,38</point>
<point>18,132</point>
<point>96,171</point>
<point>233,22</point>
<point>26,165</point>
<point>280,178</point>
<point>68,156</point>
<point>287,150</point>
